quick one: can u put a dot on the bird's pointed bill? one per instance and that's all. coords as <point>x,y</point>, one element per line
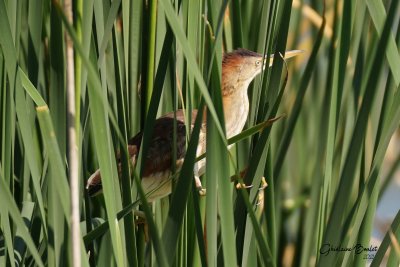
<point>288,54</point>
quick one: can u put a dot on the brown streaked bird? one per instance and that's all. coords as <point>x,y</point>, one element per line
<point>239,68</point>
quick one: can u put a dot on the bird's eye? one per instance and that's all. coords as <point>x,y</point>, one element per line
<point>257,62</point>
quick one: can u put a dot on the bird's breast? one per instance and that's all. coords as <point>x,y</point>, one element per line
<point>157,185</point>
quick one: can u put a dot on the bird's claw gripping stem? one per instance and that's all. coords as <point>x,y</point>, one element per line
<point>264,184</point>
<point>202,191</point>
<point>243,186</point>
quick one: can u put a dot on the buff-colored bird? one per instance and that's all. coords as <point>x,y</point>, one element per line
<point>239,68</point>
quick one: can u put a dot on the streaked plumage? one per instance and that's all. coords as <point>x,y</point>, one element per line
<point>238,70</point>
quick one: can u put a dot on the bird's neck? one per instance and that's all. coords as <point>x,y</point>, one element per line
<point>236,110</point>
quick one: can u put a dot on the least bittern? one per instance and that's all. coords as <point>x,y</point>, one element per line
<point>238,70</point>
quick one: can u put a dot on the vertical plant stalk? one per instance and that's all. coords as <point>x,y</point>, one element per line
<point>72,145</point>
<point>151,54</point>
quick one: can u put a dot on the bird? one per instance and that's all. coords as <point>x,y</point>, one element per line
<point>239,68</point>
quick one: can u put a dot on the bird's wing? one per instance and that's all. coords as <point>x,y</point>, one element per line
<point>160,153</point>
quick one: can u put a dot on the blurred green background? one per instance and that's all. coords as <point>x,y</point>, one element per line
<point>328,161</point>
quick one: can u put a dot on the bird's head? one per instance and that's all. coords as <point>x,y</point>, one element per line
<point>239,68</point>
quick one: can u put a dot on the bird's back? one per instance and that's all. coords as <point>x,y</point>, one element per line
<point>160,153</point>
<point>159,158</point>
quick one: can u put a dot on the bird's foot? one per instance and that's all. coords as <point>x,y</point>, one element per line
<point>239,178</point>
<point>243,186</point>
<point>202,191</point>
<point>264,184</point>
<point>141,220</point>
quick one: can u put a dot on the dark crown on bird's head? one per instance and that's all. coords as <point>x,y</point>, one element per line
<point>239,67</point>
<point>239,54</point>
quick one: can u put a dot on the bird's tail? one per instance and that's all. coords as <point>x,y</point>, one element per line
<point>94,185</point>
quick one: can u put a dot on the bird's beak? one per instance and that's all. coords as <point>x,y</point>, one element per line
<point>288,54</point>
